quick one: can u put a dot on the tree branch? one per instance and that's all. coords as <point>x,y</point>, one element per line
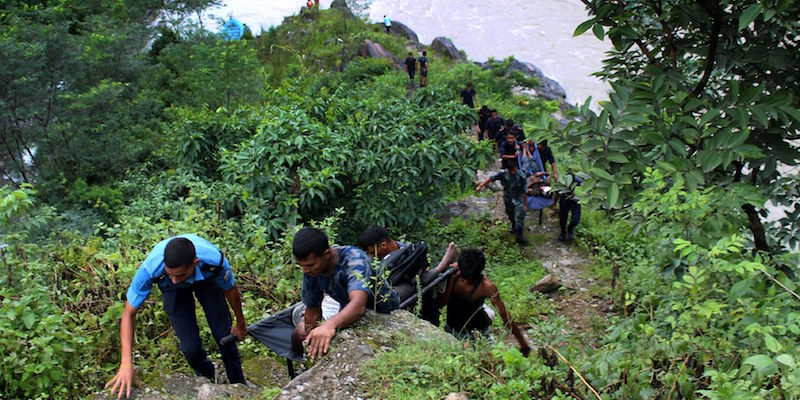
<point>716,25</point>
<point>621,5</point>
<point>673,50</point>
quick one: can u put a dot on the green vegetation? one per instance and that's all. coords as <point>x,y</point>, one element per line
<point>108,148</point>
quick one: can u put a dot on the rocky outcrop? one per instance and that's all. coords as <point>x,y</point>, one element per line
<point>547,88</point>
<point>337,375</point>
<point>341,5</point>
<point>371,49</point>
<point>445,47</point>
<point>402,30</point>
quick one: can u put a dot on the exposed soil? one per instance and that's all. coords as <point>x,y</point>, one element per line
<point>578,302</point>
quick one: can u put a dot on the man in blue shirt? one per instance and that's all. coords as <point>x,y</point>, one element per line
<point>346,274</point>
<point>388,23</point>
<point>186,267</point>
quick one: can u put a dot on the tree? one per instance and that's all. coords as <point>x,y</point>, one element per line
<point>72,100</point>
<point>706,91</point>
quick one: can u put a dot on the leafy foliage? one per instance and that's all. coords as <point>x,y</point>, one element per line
<point>704,91</point>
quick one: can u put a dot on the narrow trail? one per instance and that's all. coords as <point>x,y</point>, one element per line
<point>584,300</point>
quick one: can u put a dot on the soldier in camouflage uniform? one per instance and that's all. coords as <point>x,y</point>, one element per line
<point>515,196</point>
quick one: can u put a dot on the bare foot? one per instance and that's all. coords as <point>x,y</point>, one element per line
<point>451,255</point>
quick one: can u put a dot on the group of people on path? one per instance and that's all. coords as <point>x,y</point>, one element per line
<point>411,64</point>
<point>187,267</point>
<point>524,176</point>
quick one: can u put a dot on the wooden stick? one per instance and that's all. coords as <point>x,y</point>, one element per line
<point>672,389</point>
<point>781,285</point>
<point>574,370</point>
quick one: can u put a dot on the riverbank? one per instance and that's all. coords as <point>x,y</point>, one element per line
<point>538,31</point>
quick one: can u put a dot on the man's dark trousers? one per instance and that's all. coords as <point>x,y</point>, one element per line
<point>565,205</point>
<point>179,305</point>
<point>515,214</point>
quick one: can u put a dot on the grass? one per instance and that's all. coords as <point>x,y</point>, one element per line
<point>433,369</point>
<point>429,370</point>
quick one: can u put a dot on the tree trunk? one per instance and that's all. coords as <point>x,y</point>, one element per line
<point>759,238</point>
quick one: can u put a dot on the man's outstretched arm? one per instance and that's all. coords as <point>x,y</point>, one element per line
<point>501,308</point>
<point>126,375</point>
<point>483,184</point>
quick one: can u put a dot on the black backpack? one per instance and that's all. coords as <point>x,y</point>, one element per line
<point>406,263</point>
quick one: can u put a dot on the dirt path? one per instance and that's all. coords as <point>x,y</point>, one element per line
<point>583,301</point>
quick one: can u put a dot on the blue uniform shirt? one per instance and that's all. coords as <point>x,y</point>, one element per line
<point>152,269</point>
<point>353,271</point>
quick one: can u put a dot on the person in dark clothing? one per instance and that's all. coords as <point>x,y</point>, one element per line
<point>568,204</point>
<point>483,115</point>
<point>515,196</point>
<point>468,96</point>
<point>503,133</point>
<point>378,244</point>
<point>510,126</point>
<point>509,148</point>
<point>410,66</point>
<point>466,292</point>
<point>547,157</point>
<point>493,125</point>
<point>423,68</point>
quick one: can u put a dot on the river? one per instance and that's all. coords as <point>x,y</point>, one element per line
<point>536,31</point>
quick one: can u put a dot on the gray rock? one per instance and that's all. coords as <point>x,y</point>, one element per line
<point>341,5</point>
<point>336,375</point>
<point>548,284</point>
<point>548,88</point>
<point>206,392</point>
<point>457,396</point>
<point>445,47</point>
<point>402,30</point>
<point>371,49</point>
<point>180,386</point>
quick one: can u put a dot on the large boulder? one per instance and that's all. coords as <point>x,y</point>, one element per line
<point>371,49</point>
<point>402,30</point>
<point>341,5</point>
<point>548,88</point>
<point>445,47</point>
<point>337,375</point>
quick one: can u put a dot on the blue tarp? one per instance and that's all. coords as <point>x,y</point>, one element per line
<point>232,30</point>
<point>536,202</point>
